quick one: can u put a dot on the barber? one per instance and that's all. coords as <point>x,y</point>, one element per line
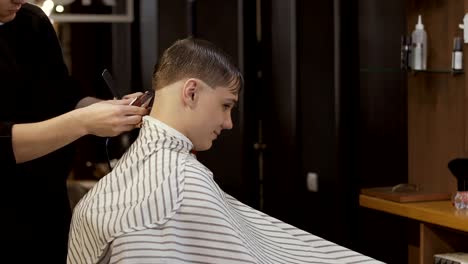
<point>41,112</point>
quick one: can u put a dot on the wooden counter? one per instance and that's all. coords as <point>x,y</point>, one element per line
<point>440,213</point>
<point>439,227</point>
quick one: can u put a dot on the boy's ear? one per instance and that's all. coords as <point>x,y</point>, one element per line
<point>190,92</point>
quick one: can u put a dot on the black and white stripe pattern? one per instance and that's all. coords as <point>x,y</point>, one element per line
<point>160,205</point>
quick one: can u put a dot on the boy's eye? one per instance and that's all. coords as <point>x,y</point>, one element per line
<point>226,106</point>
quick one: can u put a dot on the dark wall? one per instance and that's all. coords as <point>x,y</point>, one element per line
<point>382,123</point>
<point>279,111</point>
<point>383,94</point>
<point>312,78</point>
<point>230,24</point>
<point>320,105</point>
<point>301,123</point>
<point>326,115</point>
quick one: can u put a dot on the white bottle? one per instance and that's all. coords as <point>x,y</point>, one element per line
<point>457,54</point>
<point>419,43</point>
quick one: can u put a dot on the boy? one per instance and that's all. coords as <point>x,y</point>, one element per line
<point>160,205</point>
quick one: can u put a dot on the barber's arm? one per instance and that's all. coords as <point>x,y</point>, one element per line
<point>105,118</point>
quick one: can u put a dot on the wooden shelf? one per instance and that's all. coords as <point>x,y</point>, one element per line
<point>440,213</point>
<point>393,70</point>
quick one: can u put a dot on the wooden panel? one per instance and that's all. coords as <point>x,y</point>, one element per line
<point>435,240</point>
<point>436,104</point>
<point>465,66</point>
<point>413,242</point>
<point>382,96</point>
<point>441,213</point>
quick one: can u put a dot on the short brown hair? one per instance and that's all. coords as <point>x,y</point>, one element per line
<point>196,58</point>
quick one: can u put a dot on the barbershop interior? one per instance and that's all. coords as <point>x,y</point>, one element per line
<point>349,126</point>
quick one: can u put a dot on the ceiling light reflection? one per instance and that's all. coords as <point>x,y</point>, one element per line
<point>48,6</point>
<point>59,8</point>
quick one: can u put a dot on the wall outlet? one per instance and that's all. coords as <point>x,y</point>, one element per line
<point>312,182</point>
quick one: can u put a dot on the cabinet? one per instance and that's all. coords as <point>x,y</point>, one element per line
<point>437,105</point>
<point>413,124</point>
<point>436,227</point>
<point>435,101</point>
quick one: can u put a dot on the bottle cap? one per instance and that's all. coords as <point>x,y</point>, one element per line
<point>420,24</point>
<point>457,44</point>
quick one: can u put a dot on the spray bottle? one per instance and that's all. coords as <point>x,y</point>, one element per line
<point>419,43</point>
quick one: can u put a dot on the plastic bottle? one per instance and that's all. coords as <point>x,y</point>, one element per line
<point>419,43</point>
<point>457,54</point>
<point>405,55</point>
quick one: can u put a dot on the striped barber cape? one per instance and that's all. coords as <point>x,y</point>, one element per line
<point>161,205</point>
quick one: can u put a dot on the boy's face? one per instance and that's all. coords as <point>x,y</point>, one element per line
<point>8,9</point>
<point>211,115</point>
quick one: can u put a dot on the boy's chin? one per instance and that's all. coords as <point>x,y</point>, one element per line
<point>203,147</point>
<point>7,18</point>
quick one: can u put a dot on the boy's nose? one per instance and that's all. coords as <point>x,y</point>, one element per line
<point>228,123</point>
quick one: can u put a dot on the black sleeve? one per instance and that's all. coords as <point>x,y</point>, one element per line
<point>7,157</point>
<point>69,90</point>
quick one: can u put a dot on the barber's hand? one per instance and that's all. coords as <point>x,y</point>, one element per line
<point>111,118</point>
<point>132,95</point>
